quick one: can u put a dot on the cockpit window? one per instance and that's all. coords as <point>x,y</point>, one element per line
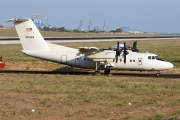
<point>157,58</point>
<point>154,58</point>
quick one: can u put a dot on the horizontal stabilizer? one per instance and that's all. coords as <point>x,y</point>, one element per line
<point>17,20</point>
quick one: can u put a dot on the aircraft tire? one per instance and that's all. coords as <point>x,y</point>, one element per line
<point>97,73</point>
<point>106,72</point>
<point>158,74</point>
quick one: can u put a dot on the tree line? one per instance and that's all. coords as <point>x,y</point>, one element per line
<point>63,29</point>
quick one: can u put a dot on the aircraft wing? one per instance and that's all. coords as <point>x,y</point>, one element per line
<point>98,54</point>
<point>90,50</point>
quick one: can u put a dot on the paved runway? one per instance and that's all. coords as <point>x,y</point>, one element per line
<point>90,73</point>
<point>15,40</point>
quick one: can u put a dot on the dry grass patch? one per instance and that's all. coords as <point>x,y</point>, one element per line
<point>88,97</point>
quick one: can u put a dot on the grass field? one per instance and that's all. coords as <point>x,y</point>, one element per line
<point>55,96</point>
<point>88,97</point>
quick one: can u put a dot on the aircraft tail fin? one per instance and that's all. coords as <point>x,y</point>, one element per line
<point>29,35</point>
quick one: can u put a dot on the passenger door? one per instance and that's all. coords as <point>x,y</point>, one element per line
<point>140,61</point>
<point>64,59</point>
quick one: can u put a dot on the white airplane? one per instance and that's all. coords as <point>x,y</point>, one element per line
<point>115,58</point>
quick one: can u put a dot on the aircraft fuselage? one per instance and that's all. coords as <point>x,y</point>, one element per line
<point>134,61</point>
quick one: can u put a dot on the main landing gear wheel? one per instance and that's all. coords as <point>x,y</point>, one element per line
<point>106,72</point>
<point>158,74</point>
<point>97,73</point>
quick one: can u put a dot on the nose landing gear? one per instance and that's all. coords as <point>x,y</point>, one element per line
<point>158,74</point>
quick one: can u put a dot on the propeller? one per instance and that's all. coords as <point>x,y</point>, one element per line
<point>118,52</point>
<point>134,48</point>
<point>125,53</point>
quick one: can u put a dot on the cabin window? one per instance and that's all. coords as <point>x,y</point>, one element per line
<point>84,59</point>
<point>130,60</point>
<point>133,60</point>
<point>77,58</point>
<point>153,57</point>
<point>149,57</point>
<point>87,59</point>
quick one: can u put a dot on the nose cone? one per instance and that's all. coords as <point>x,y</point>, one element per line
<point>163,65</point>
<point>170,65</point>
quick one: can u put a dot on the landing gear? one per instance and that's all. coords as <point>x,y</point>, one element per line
<point>158,74</point>
<point>97,73</point>
<point>106,72</point>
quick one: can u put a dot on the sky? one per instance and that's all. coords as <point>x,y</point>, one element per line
<point>160,16</point>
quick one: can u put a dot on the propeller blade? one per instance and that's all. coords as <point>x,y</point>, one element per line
<point>118,45</point>
<point>134,49</point>
<point>135,44</point>
<point>125,52</point>
<point>124,46</point>
<point>118,52</point>
<point>124,58</point>
<point>116,58</point>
